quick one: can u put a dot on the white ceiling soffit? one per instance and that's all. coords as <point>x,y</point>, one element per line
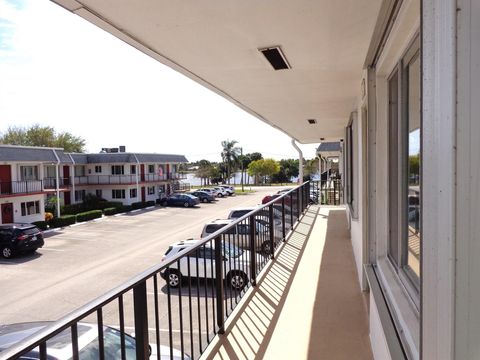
<point>216,43</point>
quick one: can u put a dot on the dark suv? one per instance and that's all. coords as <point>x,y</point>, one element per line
<point>18,238</point>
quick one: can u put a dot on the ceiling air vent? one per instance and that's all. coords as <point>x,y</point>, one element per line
<point>275,57</point>
<point>312,121</point>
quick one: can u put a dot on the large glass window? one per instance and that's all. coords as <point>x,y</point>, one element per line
<point>404,165</point>
<point>118,170</point>
<point>413,185</point>
<point>28,173</point>
<point>393,93</point>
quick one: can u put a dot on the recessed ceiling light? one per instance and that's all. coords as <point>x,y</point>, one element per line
<point>312,121</point>
<point>275,57</point>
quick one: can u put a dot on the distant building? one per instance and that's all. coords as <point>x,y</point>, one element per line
<point>29,177</point>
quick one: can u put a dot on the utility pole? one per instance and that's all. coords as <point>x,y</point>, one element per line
<point>241,160</point>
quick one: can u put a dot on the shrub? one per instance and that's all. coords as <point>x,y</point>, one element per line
<point>62,221</point>
<point>108,204</point>
<point>158,201</point>
<point>42,225</point>
<point>150,203</point>
<point>110,211</point>
<point>89,215</point>
<point>72,209</point>
<point>126,208</point>
<point>48,216</point>
<point>139,205</point>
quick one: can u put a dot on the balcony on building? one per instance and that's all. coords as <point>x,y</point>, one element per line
<point>22,187</point>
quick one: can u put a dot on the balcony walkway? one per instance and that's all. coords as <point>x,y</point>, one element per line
<point>309,306</point>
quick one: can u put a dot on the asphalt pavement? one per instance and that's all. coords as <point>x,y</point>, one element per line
<point>79,263</point>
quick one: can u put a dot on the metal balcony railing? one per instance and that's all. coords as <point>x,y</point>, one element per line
<point>51,183</point>
<point>20,187</point>
<point>124,179</point>
<point>212,277</point>
<point>326,192</point>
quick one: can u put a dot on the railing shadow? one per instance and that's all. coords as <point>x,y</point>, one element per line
<point>249,332</point>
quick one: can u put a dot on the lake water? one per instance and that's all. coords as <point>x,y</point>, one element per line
<point>235,180</point>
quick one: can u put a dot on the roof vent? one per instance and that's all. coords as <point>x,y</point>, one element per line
<point>275,57</point>
<point>312,121</point>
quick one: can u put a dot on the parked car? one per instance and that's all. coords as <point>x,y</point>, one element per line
<point>236,263</point>
<point>175,199</point>
<point>242,232</point>
<point>211,191</point>
<point>221,191</point>
<point>60,346</point>
<point>262,214</point>
<point>229,189</point>
<point>203,196</point>
<point>18,238</point>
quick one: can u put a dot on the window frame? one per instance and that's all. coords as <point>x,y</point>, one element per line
<point>26,210</point>
<point>118,170</point>
<point>398,197</point>
<point>133,191</point>
<point>122,194</point>
<point>98,169</point>
<point>350,165</point>
<point>32,175</point>
<point>80,195</point>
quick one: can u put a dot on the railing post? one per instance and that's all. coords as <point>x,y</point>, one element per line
<point>26,186</point>
<point>298,204</point>
<point>291,210</point>
<point>283,218</point>
<point>253,257</point>
<point>271,230</point>
<point>219,288</point>
<point>141,320</point>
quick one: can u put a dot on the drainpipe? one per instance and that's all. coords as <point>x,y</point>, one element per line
<point>57,187</point>
<point>300,162</point>
<point>136,177</point>
<point>72,178</point>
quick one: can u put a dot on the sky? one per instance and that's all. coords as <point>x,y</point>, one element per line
<point>57,69</point>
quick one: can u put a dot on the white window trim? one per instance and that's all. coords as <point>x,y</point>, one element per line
<point>404,310</point>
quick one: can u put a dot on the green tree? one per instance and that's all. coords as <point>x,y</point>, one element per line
<point>288,169</point>
<point>264,167</point>
<point>69,142</point>
<point>204,170</point>
<point>310,167</point>
<point>230,154</point>
<point>38,135</point>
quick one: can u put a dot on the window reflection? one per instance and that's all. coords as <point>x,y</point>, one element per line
<point>414,166</point>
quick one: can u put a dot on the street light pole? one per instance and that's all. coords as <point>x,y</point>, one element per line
<point>241,160</point>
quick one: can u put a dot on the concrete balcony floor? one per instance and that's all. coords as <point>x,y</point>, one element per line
<point>308,304</point>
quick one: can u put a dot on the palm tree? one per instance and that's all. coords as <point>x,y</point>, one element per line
<point>230,154</point>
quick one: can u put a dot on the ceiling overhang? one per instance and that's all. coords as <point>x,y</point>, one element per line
<point>218,43</point>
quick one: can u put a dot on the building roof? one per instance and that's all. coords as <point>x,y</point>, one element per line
<point>329,147</point>
<point>132,158</point>
<point>47,155</point>
<point>36,154</point>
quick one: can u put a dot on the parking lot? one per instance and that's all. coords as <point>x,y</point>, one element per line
<point>81,262</point>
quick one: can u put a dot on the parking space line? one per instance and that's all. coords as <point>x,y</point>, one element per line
<point>52,249</point>
<point>151,329</point>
